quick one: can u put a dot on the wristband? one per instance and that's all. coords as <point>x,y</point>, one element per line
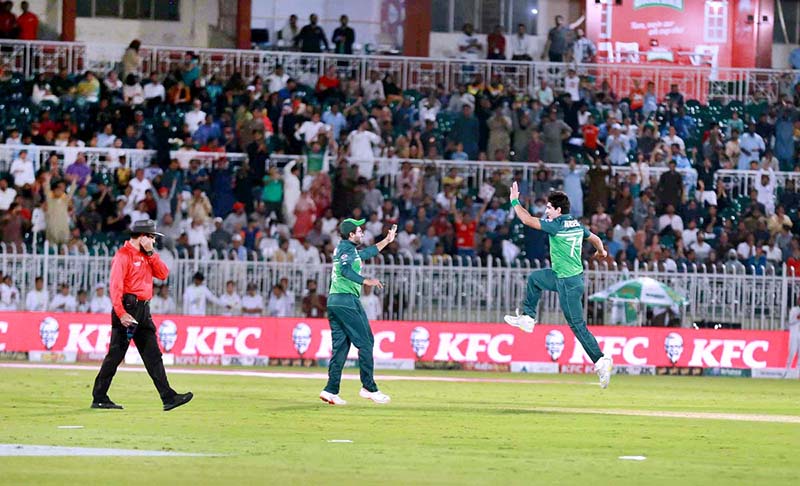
<point>514,202</point>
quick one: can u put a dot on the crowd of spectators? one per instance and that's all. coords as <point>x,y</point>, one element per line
<point>369,150</point>
<point>22,27</point>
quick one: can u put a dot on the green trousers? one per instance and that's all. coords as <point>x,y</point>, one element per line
<point>349,324</point>
<point>570,296</point>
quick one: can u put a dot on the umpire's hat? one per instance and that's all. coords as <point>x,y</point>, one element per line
<point>145,226</point>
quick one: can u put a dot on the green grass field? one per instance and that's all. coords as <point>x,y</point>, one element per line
<point>276,431</point>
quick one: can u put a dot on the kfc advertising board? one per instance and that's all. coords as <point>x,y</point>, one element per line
<point>212,337</point>
<point>671,31</point>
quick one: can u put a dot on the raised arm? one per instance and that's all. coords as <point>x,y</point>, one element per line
<point>389,238</point>
<point>520,210</point>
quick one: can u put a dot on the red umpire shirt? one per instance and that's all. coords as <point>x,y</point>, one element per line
<point>132,272</point>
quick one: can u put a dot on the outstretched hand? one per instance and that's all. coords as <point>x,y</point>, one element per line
<point>514,193</point>
<point>392,234</point>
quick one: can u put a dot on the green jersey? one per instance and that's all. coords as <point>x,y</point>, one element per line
<point>566,242</point>
<point>346,277</point>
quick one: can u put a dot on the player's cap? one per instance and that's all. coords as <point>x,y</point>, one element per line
<point>349,225</point>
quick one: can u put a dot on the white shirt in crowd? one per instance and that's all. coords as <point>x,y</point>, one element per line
<point>7,197</point>
<point>745,250</point>
<point>766,193</point>
<point>372,306</point>
<point>673,140</point>
<point>161,305</point>
<point>361,151</point>
<point>618,147</point>
<point>280,306</point>
<point>754,144</point>
<point>773,253</point>
<point>194,119</point>
<point>63,303</point>
<point>472,46</point>
<point>138,188</point>
<point>520,46</point>
<point>275,82</point>
<point>689,237</point>
<point>373,91</point>
<point>794,317</point>
<point>154,90</point>
<point>572,87</point>
<point>195,299</point>
<point>22,171</point>
<point>231,304</point>
<point>305,255</point>
<point>36,300</point>
<point>701,250</point>
<point>309,131</point>
<point>666,220</point>
<point>100,305</point>
<point>9,297</point>
<point>254,305</point>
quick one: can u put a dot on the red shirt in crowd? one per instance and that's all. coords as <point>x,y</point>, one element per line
<point>496,44</point>
<point>590,134</point>
<point>132,272</point>
<point>326,83</point>
<point>8,25</point>
<point>465,235</point>
<point>28,26</point>
<point>793,266</point>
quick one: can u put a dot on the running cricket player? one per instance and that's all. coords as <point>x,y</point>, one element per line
<point>565,277</point>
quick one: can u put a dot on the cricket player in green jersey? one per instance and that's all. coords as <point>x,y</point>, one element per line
<point>565,277</point>
<point>347,318</point>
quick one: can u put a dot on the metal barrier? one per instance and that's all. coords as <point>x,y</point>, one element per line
<point>445,289</point>
<point>700,83</point>
<point>106,157</point>
<point>740,182</point>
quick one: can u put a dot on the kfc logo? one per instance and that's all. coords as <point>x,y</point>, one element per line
<point>301,337</point>
<point>167,335</point>
<point>48,332</point>
<point>218,340</point>
<point>673,345</point>
<point>554,343</point>
<point>479,347</point>
<point>420,340</point>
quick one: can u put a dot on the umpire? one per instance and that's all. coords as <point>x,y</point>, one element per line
<point>132,272</point>
<point>347,319</point>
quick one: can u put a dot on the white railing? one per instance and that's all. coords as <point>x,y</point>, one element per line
<point>742,181</point>
<point>106,158</point>
<point>701,83</point>
<point>450,289</point>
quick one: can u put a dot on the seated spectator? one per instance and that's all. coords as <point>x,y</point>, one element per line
<point>63,301</point>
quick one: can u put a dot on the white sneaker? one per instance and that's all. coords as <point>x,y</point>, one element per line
<point>377,396</point>
<point>603,368</point>
<point>331,398</point>
<point>524,322</point>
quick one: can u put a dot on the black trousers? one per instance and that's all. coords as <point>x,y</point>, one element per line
<point>146,343</point>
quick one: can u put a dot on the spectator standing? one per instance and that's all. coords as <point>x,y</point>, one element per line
<point>230,301</point>
<point>63,301</point>
<point>583,49</point>
<point>520,45</point>
<point>554,132</point>
<point>28,23</point>
<point>288,33</point>
<point>252,304</point>
<point>751,146</point>
<point>37,299</point>
<point>59,202</point>
<point>8,22</point>
<point>469,46</point>
<point>314,304</point>
<point>496,44</point>
<point>343,37</point>
<point>196,297</point>
<point>557,39</point>
<point>131,60</point>
<point>280,304</point>
<point>466,131</point>
<point>670,187</point>
<point>100,303</point>
<point>311,36</point>
<point>361,143</point>
<point>371,303</point>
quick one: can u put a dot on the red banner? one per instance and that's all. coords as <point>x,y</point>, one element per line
<point>209,337</point>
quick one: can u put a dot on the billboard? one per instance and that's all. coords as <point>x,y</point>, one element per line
<point>683,32</point>
<point>205,339</point>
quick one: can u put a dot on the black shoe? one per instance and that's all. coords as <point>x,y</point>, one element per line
<point>106,404</point>
<point>178,400</point>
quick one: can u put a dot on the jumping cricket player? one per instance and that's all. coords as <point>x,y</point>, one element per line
<point>347,318</point>
<point>565,276</point>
